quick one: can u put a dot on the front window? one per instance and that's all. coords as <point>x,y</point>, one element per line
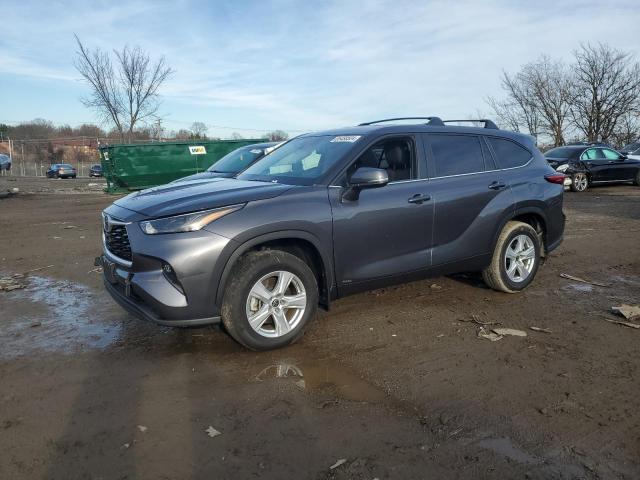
<point>301,161</point>
<point>610,154</point>
<point>237,160</point>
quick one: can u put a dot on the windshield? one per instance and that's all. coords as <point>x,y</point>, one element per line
<point>301,161</point>
<point>560,152</point>
<point>237,160</point>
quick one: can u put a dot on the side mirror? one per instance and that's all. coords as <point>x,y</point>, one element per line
<point>363,178</point>
<point>622,158</point>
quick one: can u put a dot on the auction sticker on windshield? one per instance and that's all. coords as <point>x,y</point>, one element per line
<point>199,150</point>
<point>346,138</point>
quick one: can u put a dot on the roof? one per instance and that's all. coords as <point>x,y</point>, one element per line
<point>379,129</point>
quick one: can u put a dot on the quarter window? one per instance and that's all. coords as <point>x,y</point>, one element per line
<point>509,154</point>
<point>456,154</point>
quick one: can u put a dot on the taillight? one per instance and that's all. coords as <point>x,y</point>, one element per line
<point>555,178</point>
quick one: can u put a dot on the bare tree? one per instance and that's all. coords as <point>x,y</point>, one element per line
<point>519,110</point>
<point>627,130</point>
<point>236,136</point>
<point>199,130</point>
<point>278,136</point>
<point>606,87</point>
<point>126,93</point>
<point>537,100</point>
<point>550,86</point>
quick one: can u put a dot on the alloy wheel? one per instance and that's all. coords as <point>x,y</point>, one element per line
<point>276,303</point>
<point>580,181</point>
<point>520,258</point>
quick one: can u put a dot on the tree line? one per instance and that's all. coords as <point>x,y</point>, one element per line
<point>594,98</point>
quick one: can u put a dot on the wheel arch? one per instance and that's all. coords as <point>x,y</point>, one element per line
<point>299,243</point>
<point>531,215</point>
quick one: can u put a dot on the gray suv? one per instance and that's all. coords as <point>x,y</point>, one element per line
<point>329,214</point>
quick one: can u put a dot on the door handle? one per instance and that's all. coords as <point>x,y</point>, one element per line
<point>497,185</point>
<point>419,198</point>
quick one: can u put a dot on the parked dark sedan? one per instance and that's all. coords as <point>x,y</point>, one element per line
<point>5,162</point>
<point>587,165</point>
<point>234,162</point>
<point>95,170</point>
<point>61,170</point>
<point>631,149</point>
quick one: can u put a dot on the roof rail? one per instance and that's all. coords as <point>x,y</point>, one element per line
<point>487,123</point>
<point>433,121</point>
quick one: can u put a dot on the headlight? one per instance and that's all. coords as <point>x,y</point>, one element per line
<point>562,168</point>
<point>189,222</point>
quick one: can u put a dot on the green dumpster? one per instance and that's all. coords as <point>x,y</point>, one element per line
<point>138,166</point>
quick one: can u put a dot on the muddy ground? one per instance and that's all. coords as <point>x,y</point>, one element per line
<point>394,381</point>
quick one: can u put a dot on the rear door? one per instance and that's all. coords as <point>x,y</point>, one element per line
<point>470,193</point>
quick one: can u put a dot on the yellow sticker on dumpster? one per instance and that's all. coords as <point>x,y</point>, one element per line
<point>199,150</point>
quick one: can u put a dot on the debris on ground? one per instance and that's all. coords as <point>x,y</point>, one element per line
<point>8,284</point>
<point>341,461</point>
<point>142,428</point>
<point>509,331</point>
<point>630,312</point>
<point>582,280</point>
<point>494,337</point>
<point>475,319</point>
<point>69,227</point>
<point>435,286</point>
<point>212,432</point>
<point>9,192</point>
<point>622,322</point>
<point>35,324</point>
<point>540,329</point>
<point>97,269</point>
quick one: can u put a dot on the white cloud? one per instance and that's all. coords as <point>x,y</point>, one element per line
<point>316,65</point>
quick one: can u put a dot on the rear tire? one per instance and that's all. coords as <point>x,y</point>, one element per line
<point>269,300</point>
<point>515,260</point>
<point>579,182</point>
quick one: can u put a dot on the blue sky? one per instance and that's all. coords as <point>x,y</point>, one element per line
<point>297,65</point>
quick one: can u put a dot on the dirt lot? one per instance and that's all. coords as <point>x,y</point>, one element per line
<point>394,381</point>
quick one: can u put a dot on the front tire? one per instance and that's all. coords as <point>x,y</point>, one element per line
<point>515,260</point>
<point>271,297</point>
<point>579,182</point>
<point>636,182</point>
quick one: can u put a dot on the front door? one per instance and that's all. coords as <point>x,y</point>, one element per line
<point>386,232</point>
<point>618,167</point>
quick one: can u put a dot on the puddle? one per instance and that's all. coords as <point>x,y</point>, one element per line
<point>506,448</point>
<point>53,315</point>
<point>327,378</point>
<point>579,287</point>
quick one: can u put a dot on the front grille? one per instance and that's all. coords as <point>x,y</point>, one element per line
<point>117,241</point>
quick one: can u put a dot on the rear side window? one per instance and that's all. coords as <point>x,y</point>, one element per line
<point>456,154</point>
<point>509,154</point>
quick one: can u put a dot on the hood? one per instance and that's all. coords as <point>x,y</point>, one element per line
<point>204,176</point>
<point>191,196</point>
